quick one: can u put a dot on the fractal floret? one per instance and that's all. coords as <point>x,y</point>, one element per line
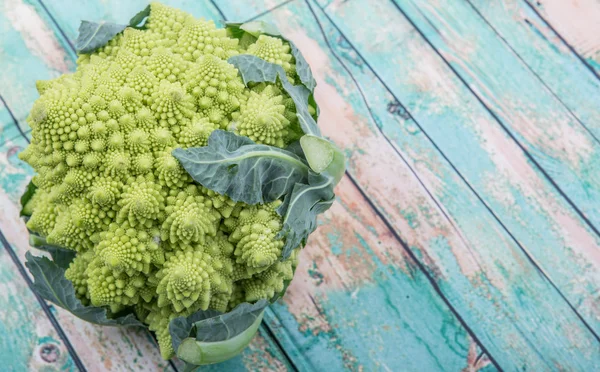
<point>158,164</point>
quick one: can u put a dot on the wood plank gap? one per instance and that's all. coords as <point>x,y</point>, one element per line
<point>407,112</point>
<point>43,304</point>
<point>373,206</point>
<point>58,26</point>
<point>502,125</point>
<point>537,76</point>
<point>270,10</point>
<point>269,331</point>
<point>218,9</point>
<point>12,115</point>
<point>567,44</point>
<point>421,267</point>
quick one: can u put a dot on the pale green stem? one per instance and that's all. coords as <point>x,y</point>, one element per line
<point>200,353</point>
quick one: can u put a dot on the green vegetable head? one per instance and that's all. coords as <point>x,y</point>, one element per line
<point>178,169</point>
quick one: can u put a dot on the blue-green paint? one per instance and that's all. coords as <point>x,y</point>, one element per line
<point>375,326</point>
<point>521,215</point>
<point>22,66</point>
<point>466,152</point>
<point>239,11</point>
<point>545,54</point>
<point>14,173</point>
<point>528,217</point>
<point>522,103</point>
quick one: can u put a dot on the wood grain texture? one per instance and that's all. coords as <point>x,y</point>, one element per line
<point>29,341</point>
<point>29,51</point>
<point>480,51</point>
<point>552,138</point>
<point>576,21</point>
<point>544,53</point>
<point>448,249</point>
<point>477,264</point>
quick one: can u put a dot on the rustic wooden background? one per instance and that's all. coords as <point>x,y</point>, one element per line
<point>466,232</point>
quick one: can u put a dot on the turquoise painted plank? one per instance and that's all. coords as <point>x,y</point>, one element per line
<point>545,54</point>
<point>535,223</point>
<point>29,341</point>
<point>511,307</point>
<point>439,319</point>
<point>356,293</point>
<point>29,51</point>
<point>68,14</point>
<point>576,22</point>
<point>565,150</point>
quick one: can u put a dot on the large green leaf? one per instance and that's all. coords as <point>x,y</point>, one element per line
<point>50,283</point>
<point>61,256</point>
<point>243,170</point>
<point>210,337</point>
<point>255,69</point>
<point>300,210</point>
<point>139,20</point>
<point>95,35</point>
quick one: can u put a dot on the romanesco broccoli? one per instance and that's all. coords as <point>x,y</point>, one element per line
<point>149,237</point>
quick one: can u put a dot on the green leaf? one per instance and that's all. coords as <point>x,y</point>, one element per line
<point>61,256</point>
<point>139,20</point>
<point>50,283</point>
<point>233,30</point>
<point>300,210</point>
<point>27,195</point>
<point>207,337</point>
<point>303,69</point>
<point>257,28</point>
<point>93,35</point>
<point>255,69</point>
<point>279,295</point>
<point>241,169</point>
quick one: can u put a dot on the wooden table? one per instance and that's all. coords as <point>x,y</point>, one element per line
<point>466,232</point>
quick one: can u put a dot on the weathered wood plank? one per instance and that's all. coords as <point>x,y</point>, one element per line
<point>240,11</point>
<point>29,341</point>
<point>459,29</point>
<point>544,53</point>
<point>551,136</point>
<point>29,51</point>
<point>69,14</point>
<point>478,267</point>
<point>439,318</point>
<point>138,351</point>
<point>356,292</point>
<point>576,21</point>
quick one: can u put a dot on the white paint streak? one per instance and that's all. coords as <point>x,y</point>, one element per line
<point>37,37</point>
<point>578,21</point>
